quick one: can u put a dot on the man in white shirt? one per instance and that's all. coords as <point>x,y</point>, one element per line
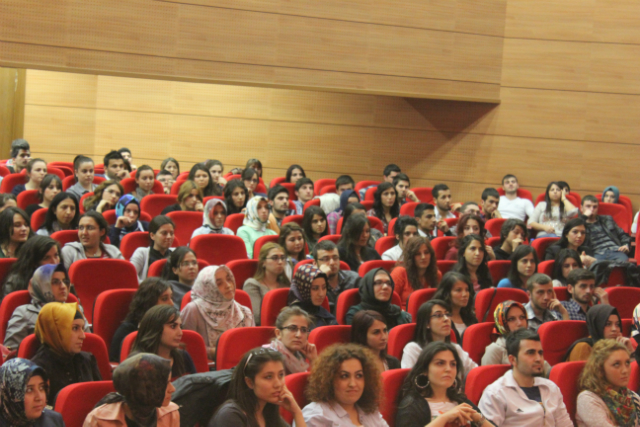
<point>404,229</point>
<point>444,208</point>
<point>522,397</point>
<point>426,217</point>
<point>512,206</point>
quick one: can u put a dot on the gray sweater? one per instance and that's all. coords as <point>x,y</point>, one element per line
<point>74,251</point>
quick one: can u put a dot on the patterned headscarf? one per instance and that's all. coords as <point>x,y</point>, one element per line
<point>300,291</point>
<point>14,377</point>
<point>208,210</point>
<point>501,313</point>
<point>251,218</point>
<point>636,317</point>
<point>40,285</point>
<point>123,202</point>
<point>54,324</point>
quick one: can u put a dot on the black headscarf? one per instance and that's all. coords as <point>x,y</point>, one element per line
<point>369,301</point>
<point>597,318</point>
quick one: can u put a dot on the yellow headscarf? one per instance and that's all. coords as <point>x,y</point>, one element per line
<point>54,324</point>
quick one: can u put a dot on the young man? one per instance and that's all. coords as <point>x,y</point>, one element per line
<point>402,183</point>
<point>404,229</point>
<point>490,203</point>
<point>114,168</point>
<point>389,173</point>
<point>512,206</point>
<point>426,216</point>
<point>166,178</point>
<point>304,192</point>
<point>20,155</point>
<point>126,155</point>
<point>522,396</point>
<point>344,182</point>
<point>543,306</point>
<point>327,259</point>
<point>608,241</point>
<point>279,202</point>
<point>512,234</point>
<point>442,196</point>
<point>581,284</point>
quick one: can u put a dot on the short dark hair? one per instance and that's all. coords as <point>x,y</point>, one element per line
<point>464,206</point>
<point>579,274</point>
<point>401,177</point>
<point>303,181</point>
<point>344,179</point>
<point>537,279</point>
<point>275,190</point>
<point>325,245</point>
<point>589,198</point>
<point>403,222</point>
<point>514,338</point>
<point>507,176</point>
<point>124,150</point>
<point>17,145</point>
<point>437,189</point>
<point>391,168</point>
<point>112,155</point>
<point>421,208</point>
<point>509,225</point>
<point>490,191</point>
<point>164,172</point>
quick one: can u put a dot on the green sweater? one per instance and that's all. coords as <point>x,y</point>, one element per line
<point>249,235</point>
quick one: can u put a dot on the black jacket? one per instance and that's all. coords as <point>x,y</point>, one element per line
<point>414,411</point>
<point>552,251</point>
<point>615,233</point>
<point>366,253</point>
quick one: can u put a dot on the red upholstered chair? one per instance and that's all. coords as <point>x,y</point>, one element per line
<point>234,221</point>
<point>634,377</point>
<point>451,221</point>
<point>441,245</point>
<point>242,270</point>
<point>5,266</point>
<point>335,238</point>
<point>132,241</point>
<point>57,172</point>
<point>296,384</point>
<point>323,182</point>
<point>494,226</point>
<point>557,337</point>
<point>369,194</point>
<point>399,337</point>
<point>293,218</point>
<point>521,192</point>
<point>339,225</point>
<point>546,267</point>
<point>274,301</point>
<point>566,375</point>
<point>26,198</point>
<point>445,265</point>
<point>488,299</point>
<point>351,297</point>
<point>261,241</point>
<point>312,202</point>
<point>4,171</point>
<point>562,294</point>
<point>218,249</point>
<point>392,225</point>
<point>499,269</point>
<point>76,401</point>
<point>234,343</point>
<point>194,344</point>
<point>11,180</point>
<point>541,245</point>
<point>618,277</point>
<point>479,378</point>
<point>424,194</point>
<point>93,276</point>
<point>383,244</point>
<point>241,297</point>
<point>154,204</point>
<point>362,184</point>
<point>37,219</point>
<point>409,208</point>
<point>343,265</point>
<point>155,269</point>
<point>493,241</point>
<point>110,310</point>
<point>627,327</point>
<point>326,190</point>
<point>129,185</point>
<point>417,298</point>
<point>625,299</point>
<point>70,181</point>
<point>624,201</point>
<point>325,336</point>
<point>375,223</point>
<point>65,236</point>
<point>278,180</point>
<point>476,338</point>
<point>291,188</point>
<point>82,199</point>
<point>392,384</point>
<point>617,211</point>
<point>367,266</point>
<point>9,304</point>
<point>186,223</point>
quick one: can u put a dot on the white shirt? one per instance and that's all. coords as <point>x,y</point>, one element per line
<point>517,208</point>
<point>505,404</point>
<point>449,215</point>
<point>320,414</point>
<point>393,254</point>
<point>412,351</point>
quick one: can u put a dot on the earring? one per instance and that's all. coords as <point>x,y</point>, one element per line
<point>422,381</point>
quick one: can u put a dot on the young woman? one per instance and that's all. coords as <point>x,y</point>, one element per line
<point>308,291</point>
<point>353,246</point>
<point>611,194</point>
<point>346,198</point>
<point>161,235</point>
<point>160,333</point>
<point>38,251</point>
<point>550,216</point>
<point>524,264</point>
<point>128,219</point>
<point>60,329</point>
<point>294,173</point>
<point>254,164</point>
<point>385,205</point>
<point>215,168</point>
<point>457,291</point>
<point>605,399</point>
<point>369,329</point>
<point>419,269</point>
<point>358,208</point>
<point>142,397</point>
<point>292,340</point>
<point>84,174</point>
<point>213,217</point>
<point>251,179</point>
<point>181,270</point>
<point>293,240</point>
<point>170,164</point>
<point>434,324</point>
<point>92,230</point>
<point>213,309</point>
<point>7,200</point>
<point>512,234</point>
<point>469,224</point>
<point>23,396</point>
<point>255,223</point>
<point>472,262</point>
<point>269,275</point>
<point>376,293</point>
<point>36,171</point>
<point>235,196</point>
<point>573,237</point>
<point>152,291</point>
<point>145,177</point>
<point>257,392</point>
<point>314,224</point>
<point>189,199</point>
<point>50,186</point>
<point>431,395</point>
<point>344,388</point>
<point>105,197</point>
<point>14,231</point>
<point>63,214</point>
<point>566,261</point>
<point>201,176</point>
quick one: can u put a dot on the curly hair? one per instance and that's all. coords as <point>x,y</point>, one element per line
<point>94,200</point>
<point>411,249</point>
<point>593,377</point>
<point>325,370</point>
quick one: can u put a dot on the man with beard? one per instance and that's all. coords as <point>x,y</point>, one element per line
<point>581,284</point>
<point>510,205</point>
<point>279,203</point>
<point>442,197</point>
<point>543,306</point>
<point>604,236</point>
<point>327,259</point>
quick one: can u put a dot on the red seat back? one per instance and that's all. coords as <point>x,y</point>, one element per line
<point>634,377</point>
<point>323,182</point>
<point>5,266</point>
<point>566,376</point>
<point>367,266</point>
<point>65,236</point>
<point>234,343</point>
<point>624,201</point>
<point>399,337</point>
<point>26,198</point>
<point>392,384</point>
<point>296,384</point>
<point>312,202</point>
<point>325,190</point>
<point>383,244</point>
<point>409,208</point>
<point>129,186</point>
<point>351,297</point>
<point>546,267</point>
<point>375,223</point>
<point>278,180</point>
<point>37,219</point>
<point>369,194</point>
<point>9,304</point>
<point>499,269</point>
<point>154,204</point>
<point>618,277</point>
<point>332,334</point>
<point>362,184</point>
<point>441,245</point>
<point>156,269</point>
<point>76,401</point>
<point>494,226</point>
<point>132,241</point>
<point>417,298</point>
<point>488,299</point>
<point>562,294</point>
<point>391,226</point>
<point>625,299</point>
<point>293,218</point>
<point>11,180</point>
<point>445,265</point>
<point>57,172</point>
<point>619,214</point>
<point>479,378</point>
<point>273,301</point>
<point>476,338</point>
<point>424,194</point>
<point>521,192</point>
<point>261,241</point>
<point>493,241</point>
<point>219,249</point>
<point>242,270</point>
<point>541,245</point>
<point>186,223</point>
<point>335,238</point>
<point>557,337</point>
<point>110,310</point>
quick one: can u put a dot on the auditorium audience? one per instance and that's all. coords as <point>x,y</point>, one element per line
<point>15,230</point>
<point>543,306</point>
<point>550,216</point>
<point>213,218</point>
<point>308,291</point>
<point>327,258</point>
<point>38,251</point>
<point>608,241</point>
<point>161,235</point>
<point>279,204</point>
<point>50,186</point>
<point>215,168</point>
<point>314,224</point>
<point>566,261</point>
<point>457,292</point>
<point>293,325</point>
<point>166,179</point>
<point>353,245</point>
<point>444,208</point>
<point>304,193</point>
<point>127,219</point>
<point>524,264</point>
<point>583,293</point>
<point>573,237</point>
<point>84,173</point>
<point>181,271</point>
<point>344,185</point>
<point>20,155</point>
<point>255,224</point>
<point>404,229</point>
<point>369,329</point>
<point>490,204</point>
<point>512,206</point>
<point>145,178</point>
<point>251,179</point>
<point>115,167</point>
<point>469,223</point>
<point>294,173</point>
<point>104,197</point>
<point>611,194</point>
<point>63,214</point>
<point>402,185</point>
<point>269,275</point>
<point>385,205</point>
<point>36,171</point>
<point>425,215</point>
<point>189,199</point>
<point>201,176</point>
<point>92,232</point>
<point>235,196</point>
<point>170,164</point>
<point>292,240</point>
<point>388,174</point>
<point>418,270</point>
<point>472,262</point>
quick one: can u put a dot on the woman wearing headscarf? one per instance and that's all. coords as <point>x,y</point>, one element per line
<point>23,396</point>
<point>611,194</point>
<point>213,309</point>
<point>256,221</point>
<point>376,293</point>
<point>308,291</point>
<point>60,329</point>
<point>127,219</point>
<point>142,398</point>
<point>213,217</point>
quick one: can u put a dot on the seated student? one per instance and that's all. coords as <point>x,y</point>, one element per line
<point>385,205</point>
<point>14,231</point>
<point>279,204</point>
<point>152,291</point>
<point>353,246</point>
<point>369,329</point>
<point>115,168</point>
<point>213,218</point>
<point>550,216</point>
<point>524,264</point>
<point>389,173</point>
<point>457,291</point>
<point>512,206</point>
<point>611,194</point>
<point>292,340</point>
<point>170,164</point>
<point>256,165</point>
<point>490,203</point>
<point>166,179</point>
<point>269,275</point>
<point>255,224</point>
<point>294,174</point>
<point>63,214</point>
<point>128,219</point>
<point>160,333</point>
<point>402,184</point>
<point>344,183</point>
<point>358,208</point>
<point>608,241</point>
<point>581,285</point>
<point>314,224</point>
<point>105,197</point>
<point>7,200</point>
<point>23,396</point>
<point>36,171</point>
<point>84,173</point>
<point>142,397</point>
<point>50,186</point>
<point>181,270</point>
<point>418,270</point>
<point>573,237</point>
<point>376,293</point>
<point>60,330</point>
<point>126,155</point>
<point>543,306</point>
<point>304,192</point>
<point>201,176</point>
<point>404,229</point>
<point>235,196</point>
<point>92,231</point>
<point>521,397</point>
<point>215,168</point>
<point>431,395</point>
<point>605,399</point>
<point>213,309</point>
<point>327,258</point>
<point>354,395</point>
<point>425,215</point>
<point>469,224</point>
<point>145,178</point>
<point>308,291</point>
<point>566,261</point>
<point>472,262</point>
<point>20,155</point>
<point>257,392</point>
<point>189,199</point>
<point>251,179</point>
<point>38,251</point>
<point>293,241</point>
<point>161,235</point>
<point>512,234</point>
<point>444,209</point>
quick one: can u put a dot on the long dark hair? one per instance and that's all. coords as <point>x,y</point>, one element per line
<point>514,275</point>
<point>212,189</point>
<point>348,211</point>
<point>46,182</point>
<point>287,229</point>
<point>351,234</point>
<point>360,325</point>
<point>307,219</point>
<point>547,199</point>
<point>146,297</point>
<point>409,253</point>
<point>422,335</point>
<point>377,201</point>
<point>29,259</point>
<point>462,223</point>
<point>51,212</point>
<point>290,172</point>
<point>572,223</point>
<point>560,259</point>
<point>443,293</point>
<point>483,274</point>
<point>174,262</point>
<point>228,198</point>
<point>6,225</point>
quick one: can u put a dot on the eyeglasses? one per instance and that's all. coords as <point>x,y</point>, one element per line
<point>294,329</point>
<point>58,282</point>
<point>189,264</point>
<point>382,283</point>
<point>441,315</point>
<point>277,258</point>
<point>329,258</point>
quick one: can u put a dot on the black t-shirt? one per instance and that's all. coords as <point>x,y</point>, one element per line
<point>501,254</point>
<point>533,393</point>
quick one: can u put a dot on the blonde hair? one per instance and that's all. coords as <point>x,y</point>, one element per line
<point>593,377</point>
<point>185,190</point>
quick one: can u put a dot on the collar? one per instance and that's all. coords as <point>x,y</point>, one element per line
<point>531,314</point>
<point>510,382</point>
<point>340,411</point>
<point>575,304</point>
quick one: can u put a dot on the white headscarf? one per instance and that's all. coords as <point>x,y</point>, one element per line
<point>251,218</point>
<point>208,208</point>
